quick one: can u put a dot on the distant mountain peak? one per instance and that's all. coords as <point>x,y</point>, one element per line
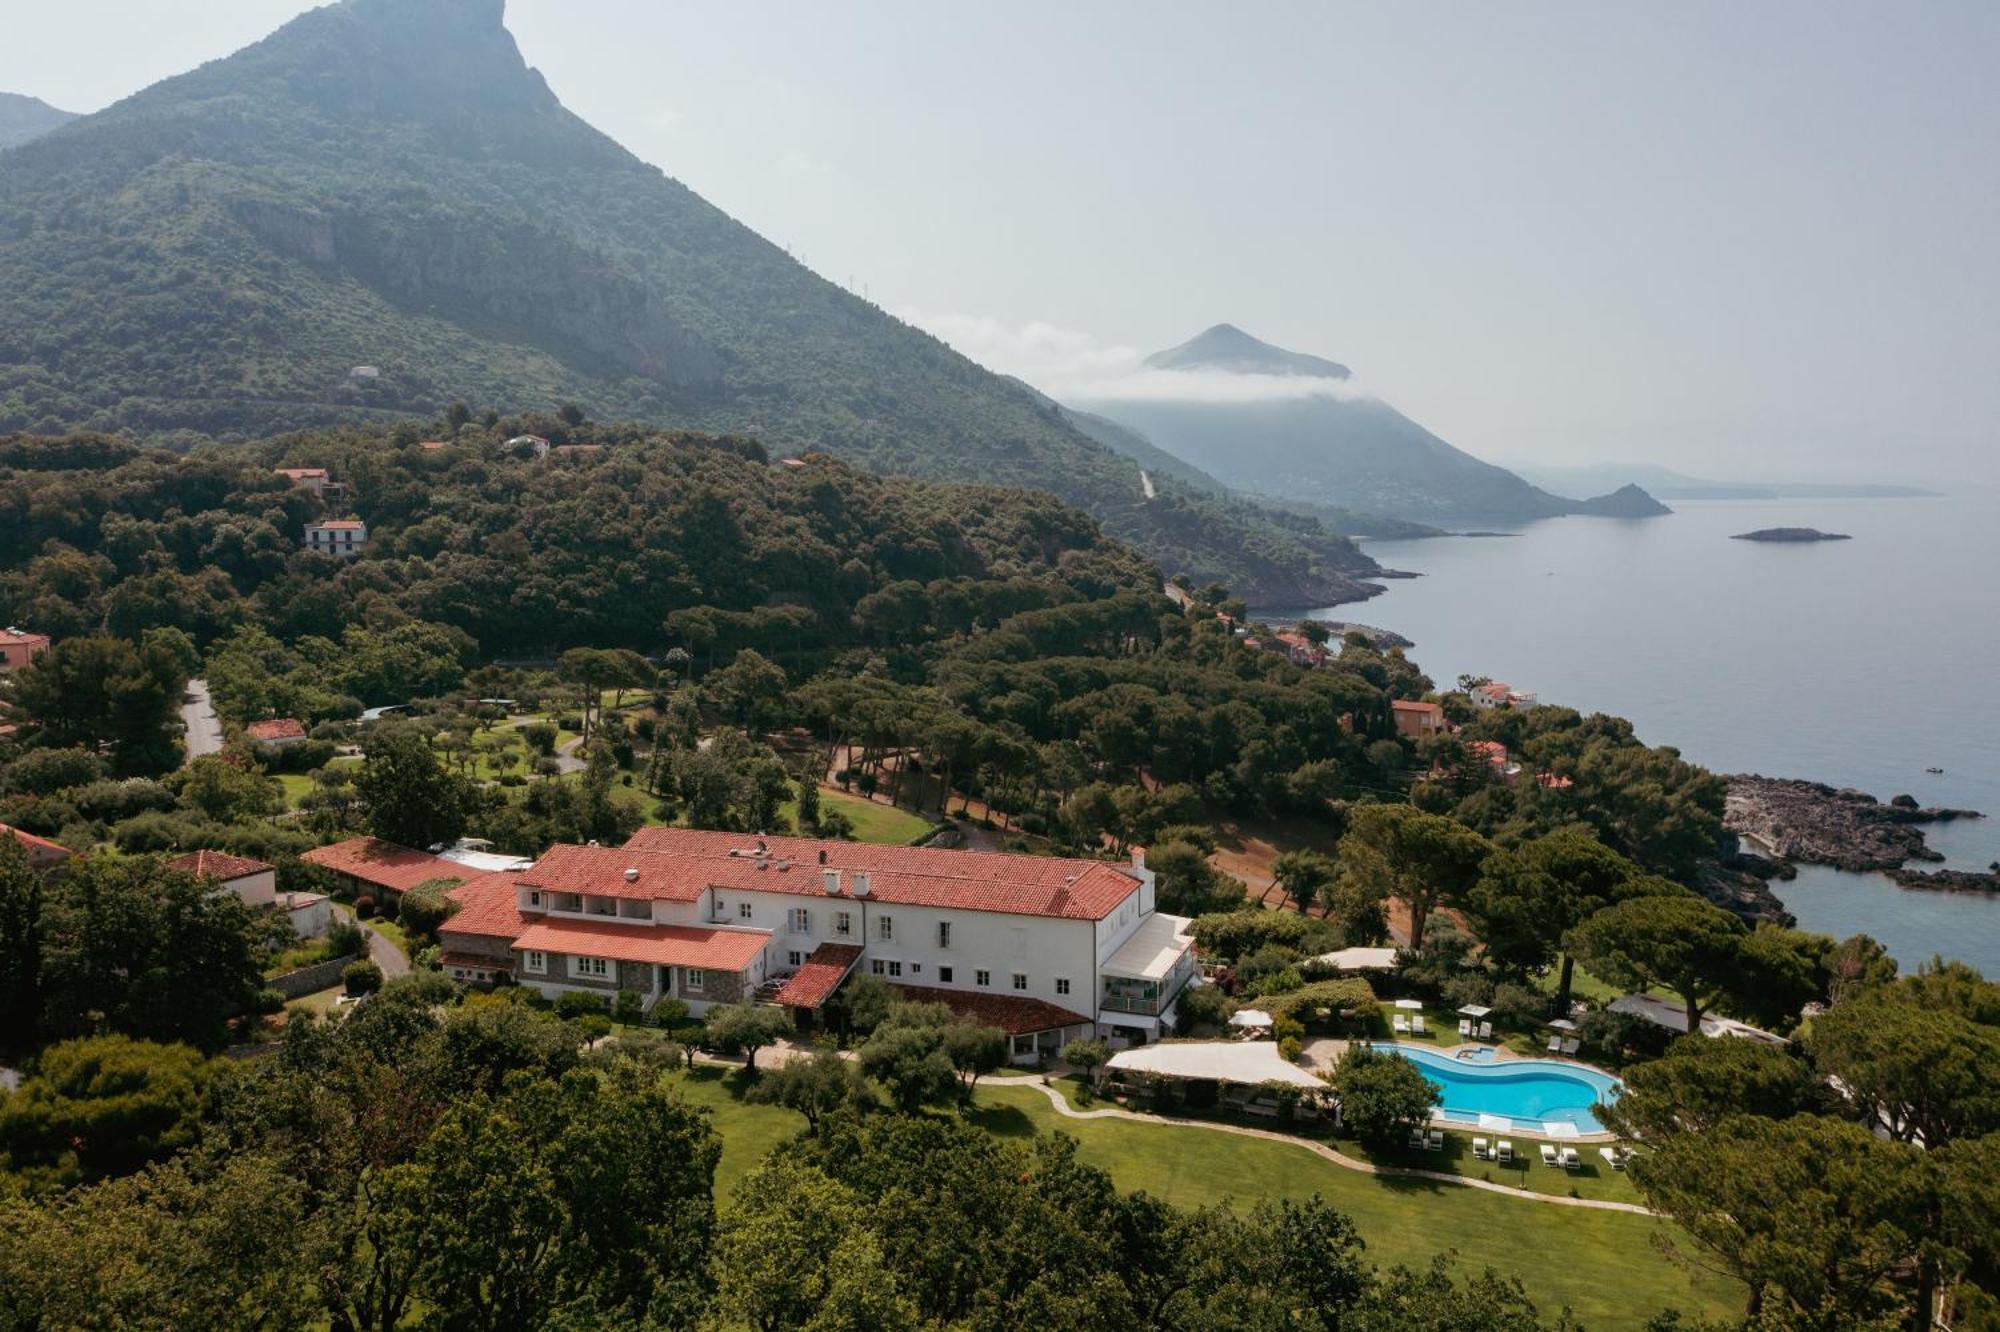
<point>1228,348</point>
<point>23,118</point>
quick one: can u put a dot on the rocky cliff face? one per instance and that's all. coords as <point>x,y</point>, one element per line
<point>1822,825</point>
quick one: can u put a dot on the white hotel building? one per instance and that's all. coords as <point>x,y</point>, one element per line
<point>1047,950</point>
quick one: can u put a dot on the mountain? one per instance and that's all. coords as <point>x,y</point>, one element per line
<point>1229,349</point>
<point>1294,428</point>
<point>1669,484</point>
<point>25,118</point>
<point>381,209</point>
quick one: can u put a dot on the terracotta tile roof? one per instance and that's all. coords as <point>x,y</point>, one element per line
<point>814,983</point>
<point>384,864</point>
<point>301,473</point>
<point>218,865</point>
<point>659,945</point>
<point>20,638</point>
<point>277,728</point>
<point>601,870</point>
<point>55,850</point>
<point>1015,1014</point>
<point>339,525</point>
<point>1407,705</point>
<point>898,875</point>
<point>486,908</point>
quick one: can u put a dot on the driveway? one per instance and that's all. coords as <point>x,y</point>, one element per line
<point>382,950</point>
<point>204,732</point>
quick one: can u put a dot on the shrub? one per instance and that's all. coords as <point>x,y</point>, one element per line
<point>580,1003</point>
<point>540,736</point>
<point>364,906</point>
<point>1324,1001</point>
<point>267,1001</point>
<point>389,905</point>
<point>362,977</point>
<point>46,771</point>
<point>669,1014</point>
<point>1289,1048</point>
<point>425,907</point>
<point>344,937</point>
<point>1201,1006</point>
<point>594,1026</point>
<point>629,1007</point>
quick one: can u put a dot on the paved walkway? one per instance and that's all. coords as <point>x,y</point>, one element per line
<point>1068,1111</point>
<point>382,950</point>
<point>204,732</point>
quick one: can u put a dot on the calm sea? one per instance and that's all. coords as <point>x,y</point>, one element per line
<point>1859,663</point>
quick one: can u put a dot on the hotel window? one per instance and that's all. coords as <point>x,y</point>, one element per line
<point>696,981</point>
<point>1020,981</point>
<point>944,934</point>
<point>885,928</point>
<point>944,975</point>
<point>876,966</point>
<point>534,963</point>
<point>743,910</point>
<point>590,968</point>
<point>794,958</point>
<point>534,899</point>
<point>895,968</point>
<point>916,968</point>
<point>982,978</point>
<point>802,921</point>
<point>1062,985</point>
<point>843,923</point>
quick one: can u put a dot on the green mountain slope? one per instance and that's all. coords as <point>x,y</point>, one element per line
<point>1334,447</point>
<point>25,118</point>
<point>381,209</point>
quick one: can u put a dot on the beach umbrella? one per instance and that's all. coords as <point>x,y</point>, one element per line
<point>1563,1024</point>
<point>1475,1010</point>
<point>1410,1003</point>
<point>1250,1017</point>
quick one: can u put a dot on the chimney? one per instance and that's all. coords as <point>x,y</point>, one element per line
<point>861,883</point>
<point>822,855</point>
<point>632,875</point>
<point>830,880</point>
<point>1138,857</point>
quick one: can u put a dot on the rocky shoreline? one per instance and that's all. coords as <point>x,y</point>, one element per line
<point>1796,820</point>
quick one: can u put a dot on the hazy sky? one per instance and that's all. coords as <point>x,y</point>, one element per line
<point>1746,239</point>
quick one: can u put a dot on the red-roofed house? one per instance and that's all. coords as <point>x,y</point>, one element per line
<point>1495,694</point>
<point>252,880</point>
<point>370,865</point>
<point>282,732</point>
<point>42,853</point>
<point>1059,948</point>
<point>1416,721</point>
<point>18,647</point>
<point>309,478</point>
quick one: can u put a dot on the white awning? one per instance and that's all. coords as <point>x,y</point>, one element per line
<point>1249,1017</point>
<point>1150,954</point>
<point>1359,959</point>
<point>1245,1063</point>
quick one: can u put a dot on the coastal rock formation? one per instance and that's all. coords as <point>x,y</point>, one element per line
<point>1822,825</point>
<point>1790,534</point>
<point>1950,880</point>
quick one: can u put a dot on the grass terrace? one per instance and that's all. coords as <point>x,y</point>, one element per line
<point>1601,1264</point>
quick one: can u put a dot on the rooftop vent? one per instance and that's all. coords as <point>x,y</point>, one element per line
<point>861,888</point>
<point>830,880</point>
<point>632,875</point>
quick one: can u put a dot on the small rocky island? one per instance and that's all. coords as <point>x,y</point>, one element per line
<point>1790,534</point>
<point>1850,830</point>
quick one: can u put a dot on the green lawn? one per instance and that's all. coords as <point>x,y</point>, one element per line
<point>1601,1264</point>
<point>874,821</point>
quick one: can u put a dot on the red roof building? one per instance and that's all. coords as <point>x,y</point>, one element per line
<point>1415,720</point>
<point>369,863</point>
<point>276,731</point>
<point>42,853</point>
<point>819,976</point>
<point>18,647</point>
<point>218,865</point>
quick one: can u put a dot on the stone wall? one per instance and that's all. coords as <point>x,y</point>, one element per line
<point>312,979</point>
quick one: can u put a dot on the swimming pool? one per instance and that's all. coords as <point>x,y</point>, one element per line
<point>1528,1092</point>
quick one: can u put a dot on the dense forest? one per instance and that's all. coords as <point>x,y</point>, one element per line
<point>351,221</point>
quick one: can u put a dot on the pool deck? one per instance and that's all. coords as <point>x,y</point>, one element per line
<point>1325,1053</point>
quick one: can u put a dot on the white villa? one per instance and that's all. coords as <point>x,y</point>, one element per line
<point>337,536</point>
<point>1047,950</point>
